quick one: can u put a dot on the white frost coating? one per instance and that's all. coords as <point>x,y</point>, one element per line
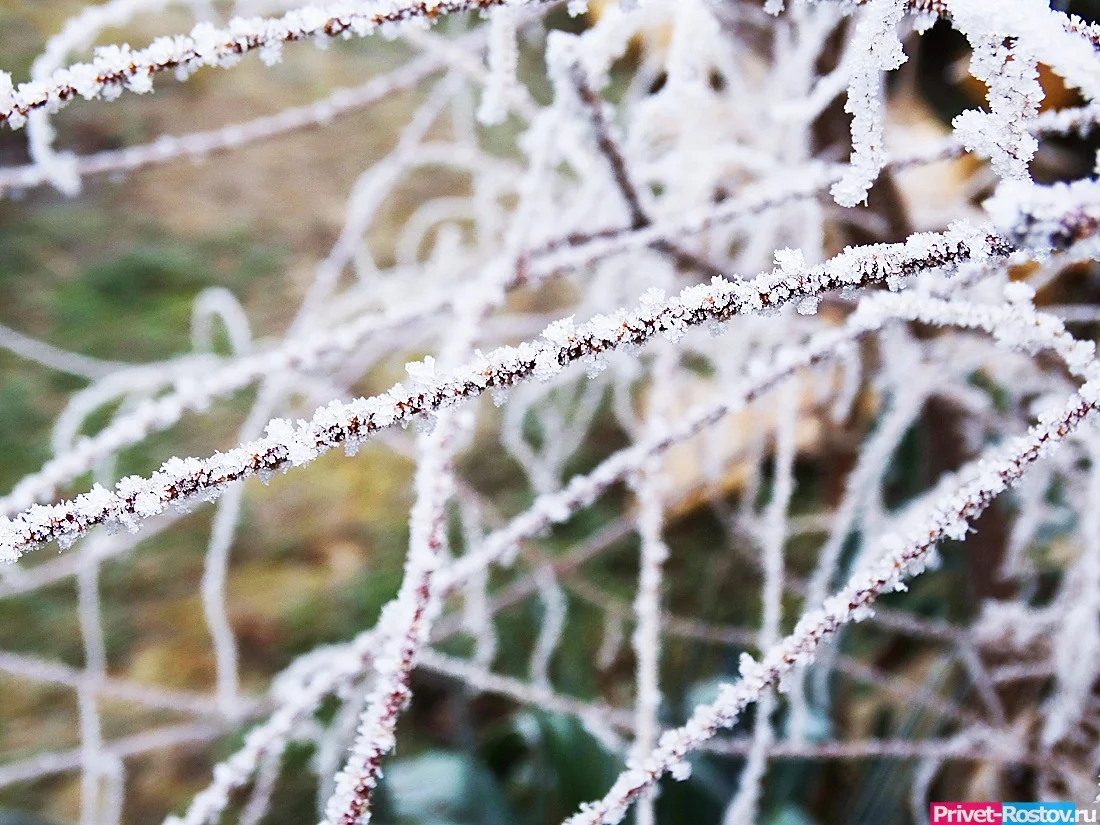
<point>404,627</point>
<point>118,68</point>
<point>1045,218</point>
<point>1041,34</point>
<point>554,608</point>
<point>903,556</point>
<point>1077,642</point>
<point>503,61</point>
<point>199,145</point>
<point>307,351</point>
<point>1014,97</point>
<point>877,41</point>
<point>61,169</point>
<point>1017,327</point>
<point>646,639</point>
<point>477,618</point>
<point>181,481</point>
<point>221,303</point>
<point>745,803</point>
<point>56,358</point>
<point>951,512</point>
<point>1008,40</point>
<point>298,699</point>
<point>95,666</point>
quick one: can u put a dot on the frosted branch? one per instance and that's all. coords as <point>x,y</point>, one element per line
<point>116,69</point>
<point>903,556</point>
<point>180,481</point>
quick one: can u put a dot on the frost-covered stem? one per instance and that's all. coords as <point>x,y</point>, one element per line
<point>269,739</point>
<point>316,348</point>
<point>599,719</point>
<point>611,642</point>
<point>265,744</point>
<point>1007,751</point>
<point>91,619</point>
<point>180,481</point>
<point>95,668</point>
<point>1015,324</point>
<point>306,348</point>
<point>118,68</point>
<point>503,61</point>
<point>17,580</point>
<point>743,807</point>
<point>1070,23</point>
<point>38,670</point>
<point>612,153</point>
<point>214,607</point>
<point>646,639</point>
<point>608,145</point>
<point>114,790</point>
<point>826,88</point>
<point>54,762</point>
<point>556,507</point>
<point>903,556</point>
<point>909,393</point>
<point>1077,644</point>
<point>402,631</point>
<point>259,801</point>
<point>805,181</point>
<point>340,670</point>
<point>877,41</point>
<point>1040,32</point>
<point>554,607</point>
<point>404,627</point>
<point>203,144</point>
<point>79,32</point>
<point>55,358</point>
<point>477,616</point>
<point>1014,97</point>
<point>305,352</point>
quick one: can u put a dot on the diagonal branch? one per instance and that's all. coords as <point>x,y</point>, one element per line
<point>116,69</point>
<point>613,154</point>
<point>180,482</point>
<point>903,557</point>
